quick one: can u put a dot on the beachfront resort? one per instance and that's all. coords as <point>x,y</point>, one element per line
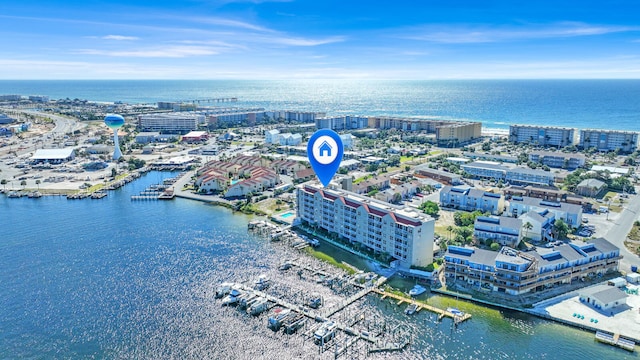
<point>525,217</point>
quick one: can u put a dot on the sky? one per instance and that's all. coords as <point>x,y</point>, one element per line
<point>319,39</point>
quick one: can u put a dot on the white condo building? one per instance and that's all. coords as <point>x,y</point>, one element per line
<point>609,140</point>
<point>404,234</point>
<point>170,122</point>
<point>543,135</point>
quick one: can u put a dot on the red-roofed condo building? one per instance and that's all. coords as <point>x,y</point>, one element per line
<point>404,234</point>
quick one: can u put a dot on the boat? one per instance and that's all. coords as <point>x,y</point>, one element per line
<point>34,194</point>
<point>315,301</point>
<point>14,194</point>
<point>455,311</point>
<point>285,266</point>
<point>263,282</point>
<point>223,290</point>
<point>258,307</point>
<point>232,298</point>
<point>411,309</point>
<point>295,323</point>
<point>245,301</point>
<point>417,290</point>
<point>325,333</point>
<point>278,318</point>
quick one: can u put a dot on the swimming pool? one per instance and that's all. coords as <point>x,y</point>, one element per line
<point>286,215</point>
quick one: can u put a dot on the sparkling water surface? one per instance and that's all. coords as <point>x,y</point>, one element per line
<point>497,103</point>
<point>119,279</point>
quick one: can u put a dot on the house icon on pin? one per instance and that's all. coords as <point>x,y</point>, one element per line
<point>325,149</point>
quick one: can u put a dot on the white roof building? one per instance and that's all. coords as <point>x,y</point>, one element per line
<point>54,156</point>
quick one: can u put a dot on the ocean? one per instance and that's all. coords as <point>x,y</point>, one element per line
<point>600,104</point>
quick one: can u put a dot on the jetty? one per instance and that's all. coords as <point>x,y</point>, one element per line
<point>615,340</point>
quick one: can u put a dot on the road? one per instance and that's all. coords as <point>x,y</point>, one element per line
<point>621,226</point>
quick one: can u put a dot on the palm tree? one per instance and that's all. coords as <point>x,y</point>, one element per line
<point>38,184</point>
<point>23,183</point>
<point>607,199</point>
<point>450,230</point>
<point>527,226</point>
<point>3,182</point>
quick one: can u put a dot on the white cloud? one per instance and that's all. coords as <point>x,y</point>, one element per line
<point>159,52</point>
<point>483,34</point>
<point>120,38</point>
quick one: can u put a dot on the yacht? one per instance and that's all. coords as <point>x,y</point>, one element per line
<point>232,298</point>
<point>223,289</point>
<point>417,290</point>
<point>455,311</point>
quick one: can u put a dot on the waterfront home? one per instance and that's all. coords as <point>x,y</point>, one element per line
<point>569,213</point>
<point>405,234</point>
<point>471,199</point>
<point>517,272</point>
<point>501,229</point>
<point>603,297</point>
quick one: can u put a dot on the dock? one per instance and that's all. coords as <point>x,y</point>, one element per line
<point>615,340</point>
<point>441,313</point>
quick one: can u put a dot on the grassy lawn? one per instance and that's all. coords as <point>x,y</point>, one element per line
<point>327,258</point>
<point>361,179</point>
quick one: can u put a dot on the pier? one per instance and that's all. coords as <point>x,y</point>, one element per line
<point>441,313</point>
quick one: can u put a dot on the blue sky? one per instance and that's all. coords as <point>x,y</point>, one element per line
<point>262,39</point>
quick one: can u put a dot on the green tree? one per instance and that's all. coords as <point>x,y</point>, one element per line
<point>38,184</point>
<point>3,182</point>
<point>23,183</point>
<point>430,208</point>
<point>450,230</point>
<point>495,246</point>
<point>527,226</point>
<point>560,229</point>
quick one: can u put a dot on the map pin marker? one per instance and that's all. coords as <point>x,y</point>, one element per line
<point>325,154</point>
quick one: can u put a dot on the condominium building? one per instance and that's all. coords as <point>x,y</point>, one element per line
<point>175,123</point>
<point>294,116</point>
<point>405,234</point>
<point>543,135</point>
<point>458,133</point>
<point>512,175</point>
<point>342,122</point>
<point>448,133</point>
<point>235,117</point>
<point>471,199</point>
<point>515,272</point>
<point>569,213</point>
<point>569,161</point>
<point>609,140</point>
<point>501,229</point>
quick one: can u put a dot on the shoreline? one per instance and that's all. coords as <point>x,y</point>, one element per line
<point>539,314</point>
<point>179,184</point>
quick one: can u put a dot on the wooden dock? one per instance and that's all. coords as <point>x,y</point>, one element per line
<point>441,313</point>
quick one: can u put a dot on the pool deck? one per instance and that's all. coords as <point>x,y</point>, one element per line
<point>625,320</point>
